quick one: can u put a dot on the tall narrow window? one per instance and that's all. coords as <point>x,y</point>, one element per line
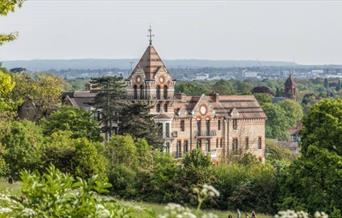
<point>158,92</point>
<point>208,127</point>
<point>235,124</point>
<point>135,89</point>
<point>165,92</point>
<point>217,142</point>
<point>259,142</point>
<point>219,125</point>
<point>158,108</point>
<point>235,145</point>
<point>186,146</point>
<point>198,127</point>
<point>207,145</point>
<point>221,143</point>
<point>182,125</point>
<point>247,143</point>
<point>179,148</point>
<point>141,92</point>
<point>167,130</point>
<point>160,129</point>
<point>165,107</point>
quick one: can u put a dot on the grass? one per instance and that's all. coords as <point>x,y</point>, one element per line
<point>14,189</point>
<point>159,209</point>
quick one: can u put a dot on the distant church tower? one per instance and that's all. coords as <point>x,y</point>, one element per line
<point>290,88</point>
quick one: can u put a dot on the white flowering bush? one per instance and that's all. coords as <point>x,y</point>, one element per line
<point>55,194</point>
<point>205,192</point>
<point>299,214</point>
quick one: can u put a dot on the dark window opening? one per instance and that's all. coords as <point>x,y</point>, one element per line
<point>135,92</point>
<point>158,92</point>
<point>235,124</point>
<point>260,143</point>
<point>141,92</point>
<point>182,125</point>
<point>165,92</point>
<point>247,143</point>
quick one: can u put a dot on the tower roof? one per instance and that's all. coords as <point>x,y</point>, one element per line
<point>150,62</point>
<point>290,81</point>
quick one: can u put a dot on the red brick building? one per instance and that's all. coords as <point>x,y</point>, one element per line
<point>218,125</point>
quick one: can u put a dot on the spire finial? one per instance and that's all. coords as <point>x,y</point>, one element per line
<point>150,35</point>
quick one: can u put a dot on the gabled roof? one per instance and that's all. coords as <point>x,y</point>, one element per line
<point>150,63</point>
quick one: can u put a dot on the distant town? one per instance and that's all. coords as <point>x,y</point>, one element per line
<point>181,69</point>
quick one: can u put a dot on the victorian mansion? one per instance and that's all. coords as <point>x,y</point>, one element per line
<point>218,125</point>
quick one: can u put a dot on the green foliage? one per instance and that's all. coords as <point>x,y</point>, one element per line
<point>277,123</point>
<point>323,126</point>
<point>43,89</point>
<point>137,121</point>
<point>79,157</point>
<point>121,149</point>
<point>293,111</point>
<point>55,194</point>
<point>196,159</point>
<point>110,99</point>
<point>263,98</point>
<point>6,83</point>
<point>7,6</point>
<point>22,143</point>
<point>313,183</point>
<point>78,121</point>
<point>245,186</point>
<point>87,160</point>
<point>276,152</point>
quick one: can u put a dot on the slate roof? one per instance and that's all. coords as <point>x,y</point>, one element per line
<point>79,99</point>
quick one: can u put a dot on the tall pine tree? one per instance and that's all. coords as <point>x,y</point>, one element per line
<point>136,120</point>
<point>109,102</point>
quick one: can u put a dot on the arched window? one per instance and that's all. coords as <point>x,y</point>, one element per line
<point>165,107</point>
<point>135,92</point>
<point>158,108</point>
<point>141,92</point>
<point>158,92</point>
<point>165,92</point>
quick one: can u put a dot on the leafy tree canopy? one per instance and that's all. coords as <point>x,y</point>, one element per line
<point>277,123</point>
<point>78,121</point>
<point>323,126</point>
<point>293,110</point>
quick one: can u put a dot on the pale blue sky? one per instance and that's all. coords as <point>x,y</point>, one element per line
<point>308,32</point>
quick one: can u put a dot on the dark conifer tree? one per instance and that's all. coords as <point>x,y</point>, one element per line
<point>109,102</point>
<point>136,120</point>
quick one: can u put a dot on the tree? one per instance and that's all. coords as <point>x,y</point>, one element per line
<point>22,142</point>
<point>78,121</point>
<point>314,180</point>
<point>293,111</point>
<point>121,149</point>
<point>6,86</point>
<point>322,126</point>
<point>7,6</point>
<point>223,87</point>
<point>137,121</point>
<point>110,101</point>
<point>88,161</point>
<point>263,98</point>
<point>277,123</point>
<point>43,89</point>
